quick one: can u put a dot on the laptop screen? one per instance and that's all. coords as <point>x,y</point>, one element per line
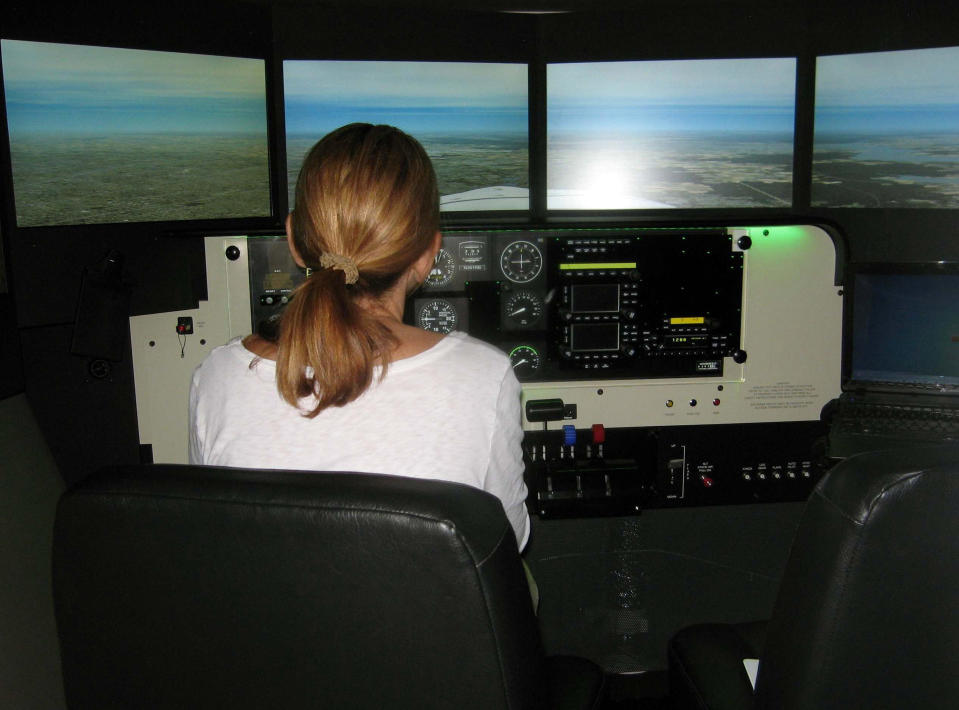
<point>902,327</point>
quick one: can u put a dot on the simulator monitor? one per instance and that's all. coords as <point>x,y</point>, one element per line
<point>887,130</point>
<point>472,119</point>
<point>704,133</point>
<point>105,135</point>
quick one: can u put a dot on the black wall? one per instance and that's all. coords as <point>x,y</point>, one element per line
<point>163,265</point>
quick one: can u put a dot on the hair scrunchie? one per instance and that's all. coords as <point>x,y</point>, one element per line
<point>341,263</point>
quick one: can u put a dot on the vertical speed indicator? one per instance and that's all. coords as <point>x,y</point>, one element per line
<point>521,262</point>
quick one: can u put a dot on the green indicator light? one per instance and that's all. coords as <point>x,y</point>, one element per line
<point>783,236</point>
<point>611,265</point>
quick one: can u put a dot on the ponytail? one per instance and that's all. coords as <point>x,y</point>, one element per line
<point>366,208</point>
<point>328,345</point>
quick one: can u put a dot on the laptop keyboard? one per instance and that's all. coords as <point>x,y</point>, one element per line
<point>901,421</point>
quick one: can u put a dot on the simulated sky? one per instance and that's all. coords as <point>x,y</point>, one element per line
<point>75,88</point>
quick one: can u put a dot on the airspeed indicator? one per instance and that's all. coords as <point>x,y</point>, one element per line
<point>438,316</point>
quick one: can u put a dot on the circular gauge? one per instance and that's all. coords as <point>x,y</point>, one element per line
<point>437,315</point>
<point>521,262</point>
<point>525,361</point>
<point>523,308</point>
<point>443,271</point>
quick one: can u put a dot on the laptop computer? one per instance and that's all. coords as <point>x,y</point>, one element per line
<point>900,371</point>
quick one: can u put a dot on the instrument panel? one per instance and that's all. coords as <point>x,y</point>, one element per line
<point>659,367</point>
<point>577,304</point>
<point>568,304</point>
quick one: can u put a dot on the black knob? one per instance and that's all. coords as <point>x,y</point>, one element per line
<point>233,252</point>
<point>744,242</point>
<point>99,368</point>
<point>739,356</point>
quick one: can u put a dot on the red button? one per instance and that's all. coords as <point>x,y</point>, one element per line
<point>599,434</point>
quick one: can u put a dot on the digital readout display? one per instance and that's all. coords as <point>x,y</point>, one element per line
<point>687,341</point>
<point>594,337</point>
<point>595,298</point>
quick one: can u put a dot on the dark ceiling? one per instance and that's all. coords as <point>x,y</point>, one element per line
<point>533,6</point>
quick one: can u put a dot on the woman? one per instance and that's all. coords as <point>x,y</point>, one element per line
<point>348,386</point>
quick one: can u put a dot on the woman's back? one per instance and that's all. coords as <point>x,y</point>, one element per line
<point>450,412</point>
<point>348,386</point>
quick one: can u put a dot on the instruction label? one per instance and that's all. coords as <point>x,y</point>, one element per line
<point>781,395</point>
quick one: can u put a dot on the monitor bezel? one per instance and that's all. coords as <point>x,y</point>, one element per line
<point>272,220</point>
<point>797,167</point>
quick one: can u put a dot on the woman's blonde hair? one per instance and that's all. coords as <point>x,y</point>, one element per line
<point>366,197</point>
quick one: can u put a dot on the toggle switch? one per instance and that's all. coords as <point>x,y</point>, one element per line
<point>599,434</point>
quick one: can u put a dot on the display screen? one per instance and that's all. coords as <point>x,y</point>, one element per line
<point>601,298</point>
<point>472,119</point>
<point>594,337</point>
<point>678,133</point>
<point>679,342</point>
<point>905,328</point>
<point>887,129</point>
<point>101,134</point>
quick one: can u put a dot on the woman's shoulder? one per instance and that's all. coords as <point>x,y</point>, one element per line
<point>474,360</point>
<point>457,354</point>
<point>480,349</point>
<point>467,350</point>
<point>229,356</point>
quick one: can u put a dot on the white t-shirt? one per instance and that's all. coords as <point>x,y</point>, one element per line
<point>451,412</point>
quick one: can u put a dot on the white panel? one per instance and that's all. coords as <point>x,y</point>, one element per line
<point>791,332</point>
<point>163,361</point>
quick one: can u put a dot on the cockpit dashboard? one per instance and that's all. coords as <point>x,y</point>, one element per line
<point>659,367</point>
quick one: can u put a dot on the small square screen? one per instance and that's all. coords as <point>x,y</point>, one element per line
<point>595,298</point>
<point>595,337</point>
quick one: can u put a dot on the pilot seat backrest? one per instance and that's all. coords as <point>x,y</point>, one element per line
<point>180,586</point>
<point>868,610</point>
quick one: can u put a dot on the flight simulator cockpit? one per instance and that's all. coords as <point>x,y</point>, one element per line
<point>668,245</point>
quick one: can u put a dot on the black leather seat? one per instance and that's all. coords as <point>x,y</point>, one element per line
<point>193,587</point>
<point>867,614</point>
